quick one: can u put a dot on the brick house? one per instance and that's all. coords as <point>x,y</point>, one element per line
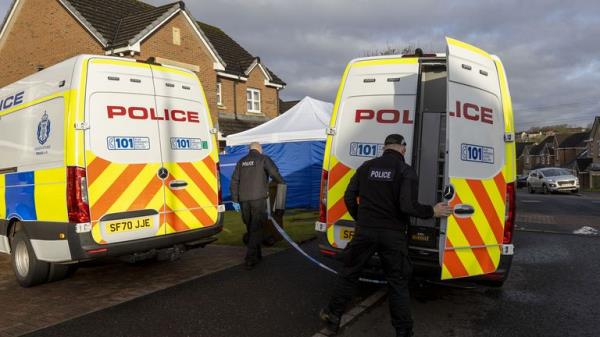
<point>522,149</point>
<point>594,142</point>
<point>571,147</point>
<point>241,91</point>
<point>541,154</point>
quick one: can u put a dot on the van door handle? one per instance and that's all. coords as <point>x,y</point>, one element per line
<point>463,210</point>
<point>178,184</point>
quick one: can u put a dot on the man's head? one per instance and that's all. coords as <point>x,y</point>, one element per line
<point>395,142</point>
<point>255,146</point>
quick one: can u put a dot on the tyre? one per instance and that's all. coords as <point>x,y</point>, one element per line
<point>545,189</point>
<point>29,271</point>
<point>530,188</point>
<point>59,271</point>
<point>575,191</point>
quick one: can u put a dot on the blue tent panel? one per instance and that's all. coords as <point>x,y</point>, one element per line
<point>300,164</point>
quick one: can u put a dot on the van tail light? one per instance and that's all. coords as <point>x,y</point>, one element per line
<point>77,195</point>
<point>219,192</point>
<point>509,225</point>
<point>323,197</point>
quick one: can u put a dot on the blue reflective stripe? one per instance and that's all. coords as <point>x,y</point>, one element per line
<point>20,199</point>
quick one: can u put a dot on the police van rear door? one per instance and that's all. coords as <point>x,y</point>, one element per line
<point>470,240</point>
<point>378,98</point>
<point>123,151</point>
<point>189,151</point>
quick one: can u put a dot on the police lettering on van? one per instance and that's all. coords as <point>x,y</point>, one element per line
<point>86,171</point>
<point>455,113</point>
<point>11,101</point>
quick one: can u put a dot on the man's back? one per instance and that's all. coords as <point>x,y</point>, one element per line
<point>383,193</point>
<point>251,177</point>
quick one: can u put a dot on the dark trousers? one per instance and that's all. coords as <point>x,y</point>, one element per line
<point>254,215</point>
<point>393,250</point>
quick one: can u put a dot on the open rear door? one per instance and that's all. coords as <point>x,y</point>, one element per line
<point>471,239</point>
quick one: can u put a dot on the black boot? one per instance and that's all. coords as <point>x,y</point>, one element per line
<point>332,322</point>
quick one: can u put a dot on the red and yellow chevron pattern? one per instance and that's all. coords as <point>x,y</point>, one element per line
<point>339,178</point>
<point>114,187</point>
<point>473,244</point>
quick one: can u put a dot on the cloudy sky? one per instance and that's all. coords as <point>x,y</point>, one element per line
<point>550,48</point>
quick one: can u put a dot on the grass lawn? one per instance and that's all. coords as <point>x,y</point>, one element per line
<point>299,224</point>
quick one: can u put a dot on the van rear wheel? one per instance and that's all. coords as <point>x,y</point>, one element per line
<point>29,271</point>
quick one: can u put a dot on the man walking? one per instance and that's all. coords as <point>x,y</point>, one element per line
<point>381,197</point>
<point>249,191</point>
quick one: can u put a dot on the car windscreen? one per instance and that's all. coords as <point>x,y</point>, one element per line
<point>555,172</point>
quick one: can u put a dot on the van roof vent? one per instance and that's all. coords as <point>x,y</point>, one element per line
<point>466,66</point>
<point>135,80</point>
<point>185,87</point>
<point>170,85</point>
<point>113,78</point>
<point>483,72</point>
<point>369,80</point>
<point>394,79</point>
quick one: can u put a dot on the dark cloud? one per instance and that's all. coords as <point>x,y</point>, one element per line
<point>549,48</point>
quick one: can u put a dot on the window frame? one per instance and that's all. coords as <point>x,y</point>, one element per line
<point>219,93</point>
<point>251,100</point>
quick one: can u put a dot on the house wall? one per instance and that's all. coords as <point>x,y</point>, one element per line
<point>41,32</point>
<point>191,51</point>
<point>53,35</point>
<point>269,96</point>
<point>567,155</point>
<point>595,146</point>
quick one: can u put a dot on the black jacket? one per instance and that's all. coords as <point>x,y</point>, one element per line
<point>383,193</point>
<point>250,180</point>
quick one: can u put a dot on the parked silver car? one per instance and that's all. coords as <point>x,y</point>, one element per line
<point>552,179</point>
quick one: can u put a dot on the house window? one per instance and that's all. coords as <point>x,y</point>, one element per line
<point>176,36</point>
<point>253,100</point>
<point>219,93</point>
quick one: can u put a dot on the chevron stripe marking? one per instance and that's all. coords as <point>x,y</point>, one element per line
<point>337,211</point>
<point>175,221</point>
<point>452,262</point>
<point>111,194</point>
<point>211,164</point>
<point>199,180</point>
<point>469,229</point>
<point>500,183</point>
<point>487,207</point>
<point>95,169</point>
<point>337,173</point>
<point>147,194</point>
<point>190,203</point>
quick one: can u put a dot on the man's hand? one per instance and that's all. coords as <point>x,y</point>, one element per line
<point>236,206</point>
<point>442,210</point>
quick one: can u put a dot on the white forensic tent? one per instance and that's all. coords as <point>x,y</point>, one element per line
<point>295,141</point>
<point>305,121</point>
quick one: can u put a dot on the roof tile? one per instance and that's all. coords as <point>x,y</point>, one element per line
<point>119,21</point>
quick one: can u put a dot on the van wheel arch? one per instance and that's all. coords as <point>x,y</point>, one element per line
<point>14,226</point>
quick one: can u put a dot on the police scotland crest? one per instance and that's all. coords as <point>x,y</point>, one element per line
<point>43,130</point>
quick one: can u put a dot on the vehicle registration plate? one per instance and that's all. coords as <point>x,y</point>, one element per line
<point>128,225</point>
<point>346,234</point>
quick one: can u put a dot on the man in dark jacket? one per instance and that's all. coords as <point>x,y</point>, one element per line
<point>249,191</point>
<point>381,197</point>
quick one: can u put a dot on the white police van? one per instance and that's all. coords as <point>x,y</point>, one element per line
<point>104,156</point>
<point>455,113</point>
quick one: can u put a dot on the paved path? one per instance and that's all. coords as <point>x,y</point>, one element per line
<point>90,289</point>
<point>281,297</point>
